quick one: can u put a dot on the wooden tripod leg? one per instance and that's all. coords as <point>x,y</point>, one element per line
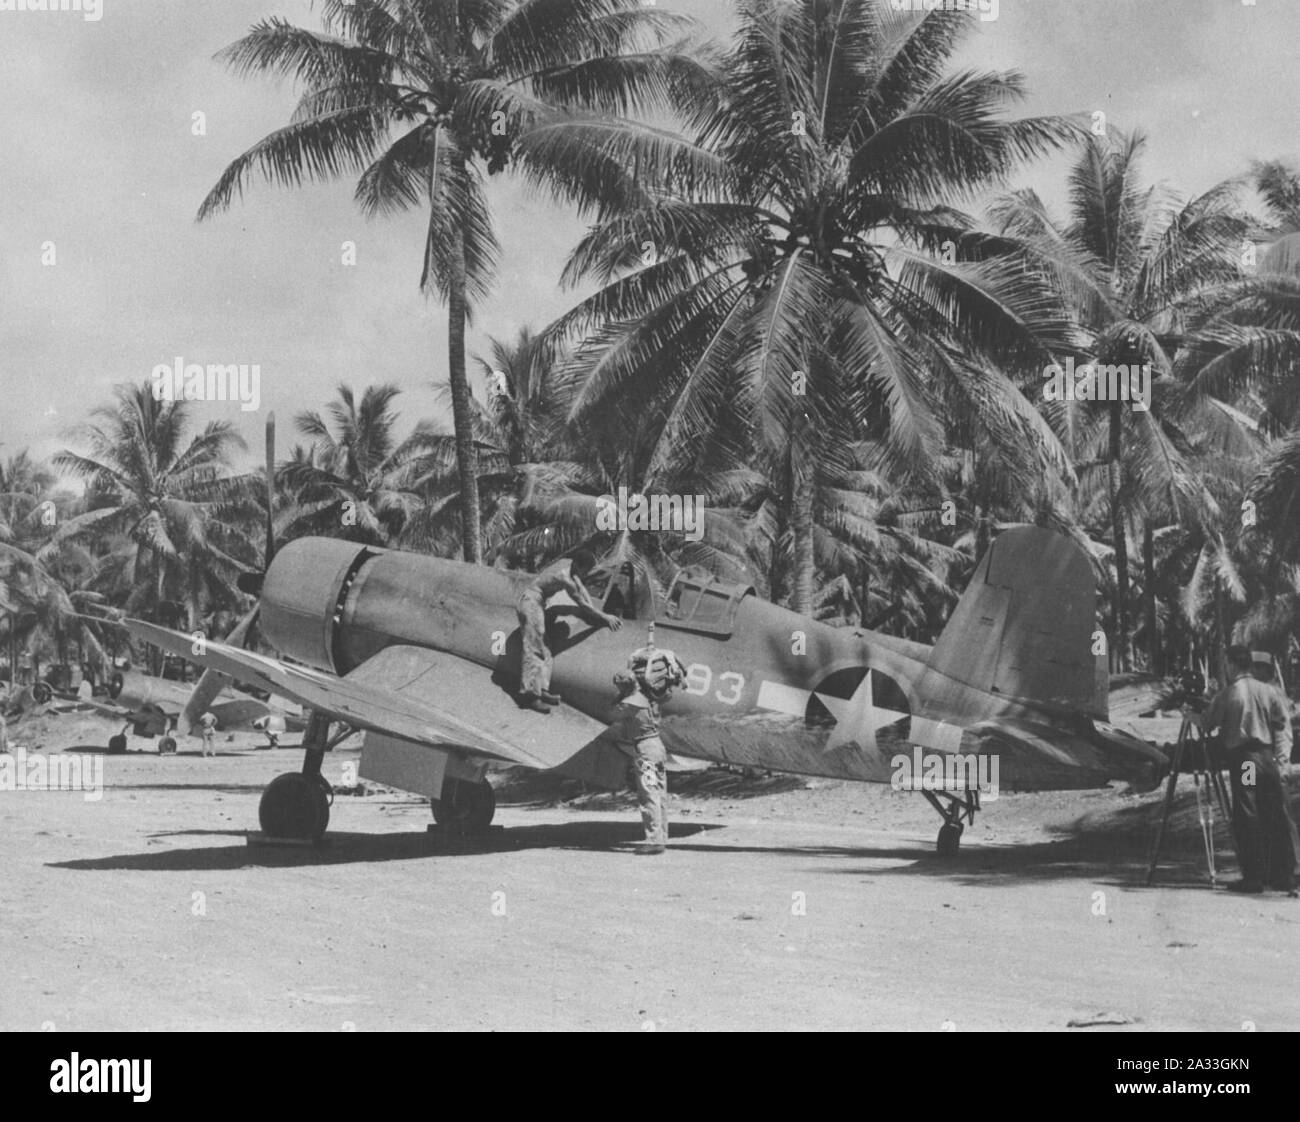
<point>1174,770</point>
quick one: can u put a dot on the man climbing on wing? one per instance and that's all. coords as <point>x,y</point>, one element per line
<point>564,575</point>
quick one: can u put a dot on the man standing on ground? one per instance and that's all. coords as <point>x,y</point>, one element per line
<point>208,727</point>
<point>643,687</point>
<point>1256,734</point>
<point>564,575</point>
<point>637,723</point>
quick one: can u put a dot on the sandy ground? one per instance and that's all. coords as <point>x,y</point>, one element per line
<point>821,906</point>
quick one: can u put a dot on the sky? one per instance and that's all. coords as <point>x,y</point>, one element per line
<point>101,163</point>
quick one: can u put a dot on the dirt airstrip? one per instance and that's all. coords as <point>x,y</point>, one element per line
<point>781,904</point>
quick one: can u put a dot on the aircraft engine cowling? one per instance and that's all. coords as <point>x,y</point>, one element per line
<point>303,597</point>
<point>333,604</point>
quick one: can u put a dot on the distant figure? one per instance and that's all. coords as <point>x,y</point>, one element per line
<point>272,725</point>
<point>565,576</point>
<point>642,688</point>
<point>208,727</point>
<point>1256,736</point>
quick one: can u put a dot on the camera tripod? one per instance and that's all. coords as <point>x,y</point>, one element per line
<point>1192,753</point>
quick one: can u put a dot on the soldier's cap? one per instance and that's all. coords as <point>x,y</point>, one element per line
<point>1261,658</point>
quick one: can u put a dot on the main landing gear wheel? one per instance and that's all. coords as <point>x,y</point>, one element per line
<point>116,745</point>
<point>465,808</point>
<point>295,805</point>
<point>949,839</point>
<point>42,694</point>
<point>167,745</point>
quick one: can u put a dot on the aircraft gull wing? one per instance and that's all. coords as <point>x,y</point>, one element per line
<point>566,740</point>
<point>359,700</point>
<point>400,692</point>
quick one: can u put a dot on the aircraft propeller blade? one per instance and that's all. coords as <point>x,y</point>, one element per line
<point>252,582</point>
<point>270,491</point>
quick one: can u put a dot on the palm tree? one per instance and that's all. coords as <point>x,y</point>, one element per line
<point>1135,267</point>
<point>174,513</point>
<point>810,272</point>
<point>354,480</point>
<point>418,97</point>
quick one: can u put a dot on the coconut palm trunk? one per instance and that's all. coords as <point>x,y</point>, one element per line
<point>802,489</point>
<point>1154,659</point>
<point>1115,472</point>
<point>462,415</point>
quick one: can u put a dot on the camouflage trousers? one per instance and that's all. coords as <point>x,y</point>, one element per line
<point>651,777</point>
<point>535,666</point>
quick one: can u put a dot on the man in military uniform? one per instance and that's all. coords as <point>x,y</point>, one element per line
<point>564,575</point>
<point>208,730</point>
<point>649,681</point>
<point>1256,736</point>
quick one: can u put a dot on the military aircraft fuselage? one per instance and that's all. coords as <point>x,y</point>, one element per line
<point>765,687</point>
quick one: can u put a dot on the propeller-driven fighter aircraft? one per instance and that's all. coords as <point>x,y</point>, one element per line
<point>423,654</point>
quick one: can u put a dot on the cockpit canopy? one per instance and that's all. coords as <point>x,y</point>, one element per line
<point>696,600</point>
<point>699,601</point>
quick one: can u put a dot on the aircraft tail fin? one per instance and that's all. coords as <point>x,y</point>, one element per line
<point>1025,626</point>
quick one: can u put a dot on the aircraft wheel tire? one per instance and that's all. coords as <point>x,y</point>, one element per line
<point>465,808</point>
<point>42,694</point>
<point>166,745</point>
<point>116,745</point>
<point>294,806</point>
<point>115,684</point>
<point>949,840</point>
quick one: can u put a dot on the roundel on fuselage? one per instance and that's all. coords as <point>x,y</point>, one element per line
<point>858,698</point>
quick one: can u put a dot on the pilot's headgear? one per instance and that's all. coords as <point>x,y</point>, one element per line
<point>657,671</point>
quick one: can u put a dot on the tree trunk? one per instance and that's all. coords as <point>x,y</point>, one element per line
<point>802,490</point>
<point>1115,471</point>
<point>983,532</point>
<point>462,416</point>
<point>1221,627</point>
<point>1154,660</point>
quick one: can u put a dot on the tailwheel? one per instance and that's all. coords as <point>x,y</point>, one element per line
<point>959,809</point>
<point>295,805</point>
<point>465,808</point>
<point>116,745</point>
<point>949,839</point>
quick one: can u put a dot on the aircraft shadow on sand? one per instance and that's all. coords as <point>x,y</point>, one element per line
<point>1086,857</point>
<point>342,848</point>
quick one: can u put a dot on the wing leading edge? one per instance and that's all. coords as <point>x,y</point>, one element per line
<point>394,693</point>
<point>354,700</point>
